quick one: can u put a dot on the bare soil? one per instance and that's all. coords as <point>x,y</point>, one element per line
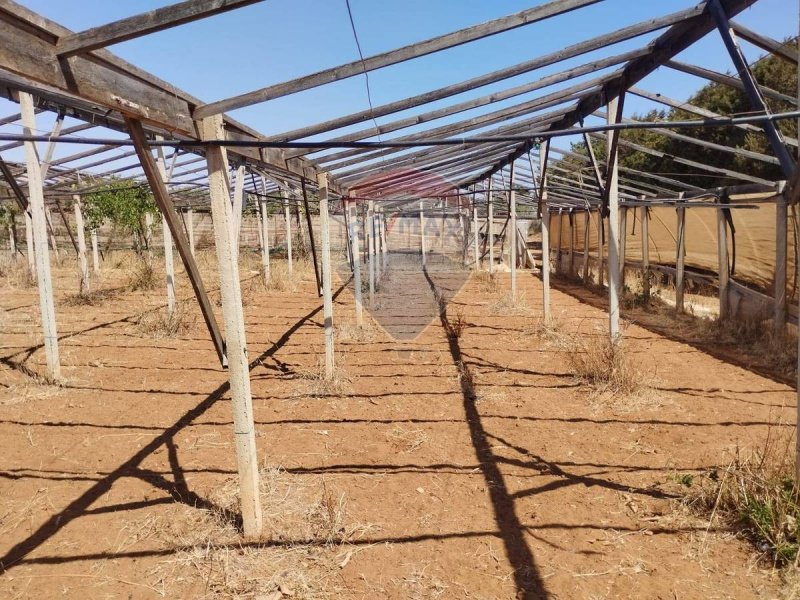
<point>440,466</point>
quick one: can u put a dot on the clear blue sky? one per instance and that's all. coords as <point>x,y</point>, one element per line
<point>277,40</point>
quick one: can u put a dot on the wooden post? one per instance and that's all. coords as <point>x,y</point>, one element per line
<point>327,297</point>
<point>29,242</point>
<point>612,184</point>
<point>557,237</point>
<point>236,343</point>
<point>722,255</point>
<point>288,219</point>
<point>51,232</point>
<point>645,212</point>
<point>680,254</point>
<point>39,223</point>
<point>84,264</point>
<point>571,246</point>
<point>545,257</point>
<point>354,241</point>
<point>262,206</point>
<point>476,253</point>
<point>490,221</point>
<point>587,221</point>
<point>422,232</point>
<point>512,248</point>
<point>95,252</point>
<point>371,249</point>
<point>623,242</point>
<point>781,218</point>
<point>190,228</point>
<point>169,263</point>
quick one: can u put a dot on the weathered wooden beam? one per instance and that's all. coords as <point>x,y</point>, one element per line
<point>358,67</point>
<point>783,50</point>
<point>167,208</point>
<point>144,24</point>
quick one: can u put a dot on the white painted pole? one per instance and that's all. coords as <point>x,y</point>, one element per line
<point>722,255</point>
<point>490,219</point>
<point>384,246</point>
<point>262,204</point>
<point>12,243</point>
<point>29,242</point>
<point>354,244</point>
<point>645,218</point>
<point>475,236</point>
<point>39,222</point>
<point>623,239</point>
<point>233,316</point>
<point>327,296</point>
<point>169,263</point>
<point>781,218</point>
<point>287,218</point>
<point>571,244</point>
<point>422,232</point>
<point>613,231</point>
<point>587,222</point>
<point>95,252</point>
<point>557,237</point>
<point>680,254</point>
<point>545,257</point>
<point>148,233</point>
<point>190,228</point>
<point>238,197</point>
<point>512,248</point>
<point>84,264</point>
<point>52,233</point>
<point>370,225</point>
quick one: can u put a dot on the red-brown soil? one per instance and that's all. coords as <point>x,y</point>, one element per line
<point>517,484</point>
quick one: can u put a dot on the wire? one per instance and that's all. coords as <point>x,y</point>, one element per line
<point>366,73</point>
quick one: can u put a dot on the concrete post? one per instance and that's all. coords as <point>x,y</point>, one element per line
<point>354,241</point>
<point>83,263</point>
<point>613,230</point>
<point>327,297</point>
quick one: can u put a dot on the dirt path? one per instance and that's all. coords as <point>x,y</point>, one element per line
<point>465,466</point>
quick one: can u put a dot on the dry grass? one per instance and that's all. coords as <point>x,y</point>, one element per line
<point>91,298</point>
<point>302,549</point>
<point>317,385</point>
<point>350,332</point>
<point>755,496</point>
<point>599,364</point>
<point>487,282</point>
<point>510,305</point>
<point>279,278</point>
<point>142,275</point>
<point>456,324</point>
<point>15,273</point>
<point>407,439</point>
<point>160,323</point>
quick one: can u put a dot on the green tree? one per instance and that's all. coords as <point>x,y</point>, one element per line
<point>122,203</point>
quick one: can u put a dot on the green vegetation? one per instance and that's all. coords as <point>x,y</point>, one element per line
<point>124,205</point>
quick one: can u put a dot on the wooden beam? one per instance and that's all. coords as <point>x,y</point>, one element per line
<point>358,67</point>
<point>143,24</point>
<point>167,208</point>
<point>783,50</point>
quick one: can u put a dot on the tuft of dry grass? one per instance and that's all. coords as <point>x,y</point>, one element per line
<point>299,555</point>
<point>350,332</point>
<point>16,274</point>
<point>407,440</point>
<point>91,298</point>
<point>161,323</point>
<point>756,496</point>
<point>603,366</point>
<point>317,385</point>
<point>279,278</point>
<point>509,305</point>
<point>456,324</point>
<point>487,282</point>
<point>142,275</point>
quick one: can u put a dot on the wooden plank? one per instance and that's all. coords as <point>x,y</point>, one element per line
<point>783,50</point>
<point>358,67</point>
<point>144,24</point>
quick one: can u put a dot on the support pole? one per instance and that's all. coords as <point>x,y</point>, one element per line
<point>169,263</point>
<point>82,262</point>
<point>371,249</point>
<point>262,207</point>
<point>623,242</point>
<point>95,252</point>
<point>612,190</point>
<point>722,254</point>
<point>190,228</point>
<point>490,219</point>
<point>600,250</point>
<point>781,218</point>
<point>571,247</point>
<point>12,242</point>
<point>587,221</point>
<point>327,297</point>
<point>545,257</point>
<point>236,343</point>
<point>512,249</point>
<point>645,218</point>
<point>680,255</point>
<point>559,228</point>
<point>39,226</point>
<point>52,232</point>
<point>422,232</point>
<point>288,219</point>
<point>476,253</point>
<point>29,242</point>
<point>384,246</point>
<point>354,241</point>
